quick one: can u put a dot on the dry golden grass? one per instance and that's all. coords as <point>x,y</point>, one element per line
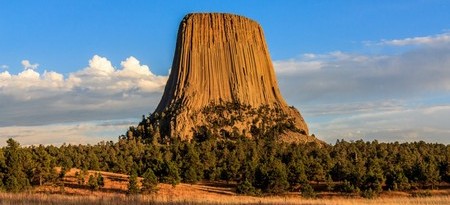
<point>115,188</point>
<point>32,199</point>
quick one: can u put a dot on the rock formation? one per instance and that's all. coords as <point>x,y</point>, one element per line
<point>222,77</point>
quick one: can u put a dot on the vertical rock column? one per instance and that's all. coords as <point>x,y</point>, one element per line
<point>219,58</point>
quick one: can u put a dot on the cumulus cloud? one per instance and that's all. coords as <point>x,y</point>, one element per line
<point>97,92</point>
<point>29,74</point>
<point>387,97</point>
<point>27,65</point>
<point>101,75</point>
<point>5,75</point>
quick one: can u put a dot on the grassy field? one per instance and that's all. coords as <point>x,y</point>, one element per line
<point>31,199</point>
<point>115,188</point>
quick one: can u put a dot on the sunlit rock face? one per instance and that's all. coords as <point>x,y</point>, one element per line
<point>222,71</point>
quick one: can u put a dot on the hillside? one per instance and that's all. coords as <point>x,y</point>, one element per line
<point>205,193</point>
<point>259,170</point>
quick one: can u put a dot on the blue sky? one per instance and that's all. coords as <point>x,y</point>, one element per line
<point>83,71</point>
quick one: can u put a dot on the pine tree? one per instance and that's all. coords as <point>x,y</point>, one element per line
<point>100,180</point>
<point>15,179</point>
<point>133,187</point>
<point>296,173</point>
<point>171,174</point>
<point>277,178</point>
<point>93,183</point>
<point>307,191</point>
<point>3,169</point>
<point>44,168</point>
<point>245,187</point>
<point>80,176</point>
<point>192,169</point>
<point>149,182</point>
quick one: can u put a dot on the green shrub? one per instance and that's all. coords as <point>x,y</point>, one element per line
<point>93,183</point>
<point>149,182</point>
<point>369,194</point>
<point>307,191</point>
<point>245,187</point>
<point>133,187</point>
<point>346,187</point>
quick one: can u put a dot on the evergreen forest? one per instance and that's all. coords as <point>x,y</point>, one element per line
<point>259,166</point>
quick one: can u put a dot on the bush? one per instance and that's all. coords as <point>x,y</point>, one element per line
<point>369,194</point>
<point>307,191</point>
<point>171,174</point>
<point>80,177</point>
<point>271,177</point>
<point>133,187</point>
<point>190,176</point>
<point>100,180</point>
<point>346,187</point>
<point>397,181</point>
<point>93,183</point>
<point>245,187</point>
<point>149,182</point>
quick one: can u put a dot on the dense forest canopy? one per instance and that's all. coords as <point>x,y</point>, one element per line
<point>261,165</point>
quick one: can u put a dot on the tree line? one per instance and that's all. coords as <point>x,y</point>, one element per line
<point>256,166</point>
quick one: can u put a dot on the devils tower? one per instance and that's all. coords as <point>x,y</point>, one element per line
<point>222,80</point>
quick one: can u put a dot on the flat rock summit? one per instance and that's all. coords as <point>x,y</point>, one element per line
<point>222,80</point>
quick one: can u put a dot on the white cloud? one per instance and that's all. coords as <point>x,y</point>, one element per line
<point>5,67</point>
<point>102,76</point>
<point>338,77</point>
<point>422,40</point>
<point>405,124</point>
<point>4,75</point>
<point>89,132</point>
<point>293,66</point>
<point>341,109</point>
<point>133,69</point>
<point>29,74</point>
<point>99,66</point>
<point>401,97</point>
<point>27,65</point>
<point>99,91</point>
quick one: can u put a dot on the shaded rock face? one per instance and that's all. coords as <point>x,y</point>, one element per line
<point>222,70</point>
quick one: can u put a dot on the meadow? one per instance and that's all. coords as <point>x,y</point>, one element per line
<point>114,192</point>
<point>37,199</point>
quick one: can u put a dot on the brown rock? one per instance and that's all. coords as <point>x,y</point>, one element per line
<point>223,59</point>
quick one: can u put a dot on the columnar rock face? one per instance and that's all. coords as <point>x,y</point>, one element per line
<point>221,56</point>
<point>222,59</point>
